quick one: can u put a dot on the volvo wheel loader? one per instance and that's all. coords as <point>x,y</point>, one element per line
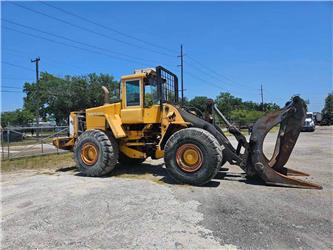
<point>149,121</point>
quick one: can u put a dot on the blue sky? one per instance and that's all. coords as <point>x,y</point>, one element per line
<point>229,46</point>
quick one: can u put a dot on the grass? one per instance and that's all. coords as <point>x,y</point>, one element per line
<point>50,161</point>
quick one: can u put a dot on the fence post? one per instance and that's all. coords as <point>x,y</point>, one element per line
<point>57,147</point>
<point>2,147</point>
<point>41,141</point>
<point>8,141</point>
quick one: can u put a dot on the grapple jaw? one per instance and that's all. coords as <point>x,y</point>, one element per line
<point>273,171</point>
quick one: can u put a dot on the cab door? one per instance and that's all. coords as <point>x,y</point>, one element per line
<point>132,101</point>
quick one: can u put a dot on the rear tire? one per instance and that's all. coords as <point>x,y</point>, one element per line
<point>95,153</point>
<point>125,160</point>
<point>192,156</point>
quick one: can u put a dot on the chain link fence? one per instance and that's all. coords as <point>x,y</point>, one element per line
<point>17,142</point>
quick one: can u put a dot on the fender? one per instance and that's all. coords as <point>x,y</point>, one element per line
<point>115,123</point>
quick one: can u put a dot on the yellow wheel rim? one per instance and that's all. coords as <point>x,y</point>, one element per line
<point>189,157</point>
<point>89,153</point>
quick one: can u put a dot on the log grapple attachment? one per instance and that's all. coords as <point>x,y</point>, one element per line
<point>254,162</point>
<point>273,170</point>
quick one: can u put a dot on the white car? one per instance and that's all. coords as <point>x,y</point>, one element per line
<point>309,124</point>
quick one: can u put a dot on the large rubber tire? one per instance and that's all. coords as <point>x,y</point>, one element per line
<point>211,156</point>
<point>107,153</point>
<point>125,160</point>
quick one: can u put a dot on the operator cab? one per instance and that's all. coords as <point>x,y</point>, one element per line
<point>147,87</point>
<point>143,93</point>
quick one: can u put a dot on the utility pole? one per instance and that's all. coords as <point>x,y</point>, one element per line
<point>36,61</point>
<point>262,97</point>
<point>182,72</point>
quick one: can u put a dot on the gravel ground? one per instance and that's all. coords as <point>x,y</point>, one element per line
<point>140,207</point>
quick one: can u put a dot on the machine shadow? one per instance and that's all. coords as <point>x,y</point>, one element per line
<point>140,171</point>
<point>67,169</point>
<point>239,177</point>
<point>144,170</point>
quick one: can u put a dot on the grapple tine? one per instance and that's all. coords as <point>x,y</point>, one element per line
<point>273,171</point>
<point>290,172</point>
<point>272,177</point>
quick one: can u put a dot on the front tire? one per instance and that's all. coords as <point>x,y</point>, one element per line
<point>192,156</point>
<point>95,153</point>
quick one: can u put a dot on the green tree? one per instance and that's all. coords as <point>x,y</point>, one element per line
<point>243,117</point>
<point>227,103</point>
<point>268,107</point>
<point>234,108</point>
<point>328,109</point>
<point>57,97</point>
<point>199,102</point>
<point>19,117</point>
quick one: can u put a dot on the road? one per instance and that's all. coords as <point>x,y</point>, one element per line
<point>140,207</point>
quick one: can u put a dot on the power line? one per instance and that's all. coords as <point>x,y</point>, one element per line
<point>86,29</point>
<point>217,78</point>
<point>209,70</point>
<point>104,26</point>
<point>219,75</point>
<point>193,76</point>
<point>10,87</point>
<point>19,53</point>
<point>203,80</point>
<point>134,60</point>
<point>69,39</point>
<point>13,78</point>
<point>70,45</point>
<point>17,66</point>
<point>11,91</point>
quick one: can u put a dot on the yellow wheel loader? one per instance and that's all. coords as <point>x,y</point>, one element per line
<point>149,121</point>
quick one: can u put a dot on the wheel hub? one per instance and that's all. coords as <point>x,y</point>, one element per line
<point>189,157</point>
<point>89,153</point>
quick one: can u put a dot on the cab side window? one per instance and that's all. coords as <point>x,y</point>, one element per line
<point>133,93</point>
<point>151,96</point>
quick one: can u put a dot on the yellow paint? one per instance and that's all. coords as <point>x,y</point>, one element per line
<point>133,76</point>
<point>132,115</point>
<point>64,142</point>
<point>128,144</point>
<point>115,123</point>
<point>152,114</point>
<point>159,154</point>
<point>174,119</point>
<point>120,118</point>
<point>89,154</point>
<point>132,153</point>
<point>190,156</point>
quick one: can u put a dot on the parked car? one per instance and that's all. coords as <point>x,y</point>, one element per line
<point>309,123</point>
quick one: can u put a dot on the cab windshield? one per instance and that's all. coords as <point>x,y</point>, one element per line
<point>151,92</point>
